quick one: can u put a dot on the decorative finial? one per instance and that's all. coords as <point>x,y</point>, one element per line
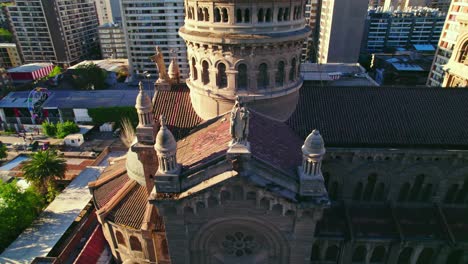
<point>162,121</point>
<point>140,86</point>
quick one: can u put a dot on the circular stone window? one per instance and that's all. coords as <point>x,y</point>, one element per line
<point>239,245</point>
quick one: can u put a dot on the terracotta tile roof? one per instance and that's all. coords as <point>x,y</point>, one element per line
<point>176,106</point>
<point>209,141</point>
<point>104,193</point>
<point>373,222</point>
<point>275,143</point>
<point>383,116</point>
<point>130,211</point>
<point>457,220</point>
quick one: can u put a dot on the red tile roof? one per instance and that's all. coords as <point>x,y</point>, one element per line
<point>176,106</point>
<point>209,141</point>
<point>130,211</point>
<point>104,193</point>
<point>275,143</point>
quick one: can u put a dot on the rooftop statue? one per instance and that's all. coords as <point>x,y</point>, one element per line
<point>239,123</point>
<point>158,58</point>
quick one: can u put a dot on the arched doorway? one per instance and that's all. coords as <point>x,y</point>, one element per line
<point>239,240</point>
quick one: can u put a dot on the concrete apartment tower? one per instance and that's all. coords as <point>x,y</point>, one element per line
<point>448,39</point>
<point>53,30</point>
<point>104,11</point>
<point>153,23</point>
<point>257,61</point>
<point>341,29</point>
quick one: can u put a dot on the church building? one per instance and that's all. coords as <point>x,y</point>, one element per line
<point>247,163</point>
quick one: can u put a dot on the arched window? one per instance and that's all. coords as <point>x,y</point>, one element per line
<point>239,16</point>
<point>200,14</point>
<point>359,254</point>
<point>455,257</point>
<point>280,14</point>
<point>217,15</point>
<point>332,253</point>
<point>292,72</point>
<point>242,77</point>
<point>417,186</point>
<point>370,185</point>
<point>405,256</point>
<point>451,193</point>
<point>463,57</point>
<point>357,191</point>
<point>295,13</point>
<point>262,79</point>
<point>463,192</point>
<point>425,256</point>
<point>260,15</point>
<point>379,192</point>
<point>120,239</point>
<point>427,193</point>
<point>315,256</point>
<point>194,69</point>
<point>225,196</point>
<point>286,14</point>
<point>247,15</point>
<point>135,244</point>
<point>279,78</point>
<point>212,201</point>
<point>403,192</point>
<point>224,15</point>
<point>238,193</point>
<point>268,15</point>
<point>221,78</point>
<point>378,254</point>
<point>205,73</point>
<point>206,14</point>
<point>189,13</point>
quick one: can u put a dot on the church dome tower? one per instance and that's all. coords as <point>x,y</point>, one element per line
<point>247,49</point>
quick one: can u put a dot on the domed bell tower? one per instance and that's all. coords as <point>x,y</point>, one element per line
<point>247,49</point>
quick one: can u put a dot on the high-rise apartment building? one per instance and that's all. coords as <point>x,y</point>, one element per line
<point>112,41</point>
<point>148,24</point>
<point>341,29</point>
<point>104,11</point>
<point>402,29</point>
<point>442,5</point>
<point>312,16</point>
<point>448,39</point>
<point>9,55</point>
<point>59,31</point>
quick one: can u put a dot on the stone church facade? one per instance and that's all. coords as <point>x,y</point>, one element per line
<point>231,168</point>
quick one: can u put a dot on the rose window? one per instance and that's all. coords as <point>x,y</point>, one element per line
<point>239,244</point>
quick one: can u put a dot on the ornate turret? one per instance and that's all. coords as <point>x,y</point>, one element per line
<point>167,176</point>
<point>174,72</point>
<point>246,48</point>
<point>311,179</point>
<point>145,129</point>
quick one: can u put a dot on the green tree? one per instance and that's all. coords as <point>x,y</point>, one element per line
<point>89,77</point>
<point>18,208</point>
<point>42,169</point>
<point>6,35</point>
<point>55,71</point>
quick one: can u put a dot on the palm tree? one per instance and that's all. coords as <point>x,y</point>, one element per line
<point>43,168</point>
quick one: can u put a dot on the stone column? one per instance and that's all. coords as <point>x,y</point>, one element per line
<point>231,79</point>
<point>252,80</point>
<point>393,253</point>
<point>212,73</point>
<point>271,78</point>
